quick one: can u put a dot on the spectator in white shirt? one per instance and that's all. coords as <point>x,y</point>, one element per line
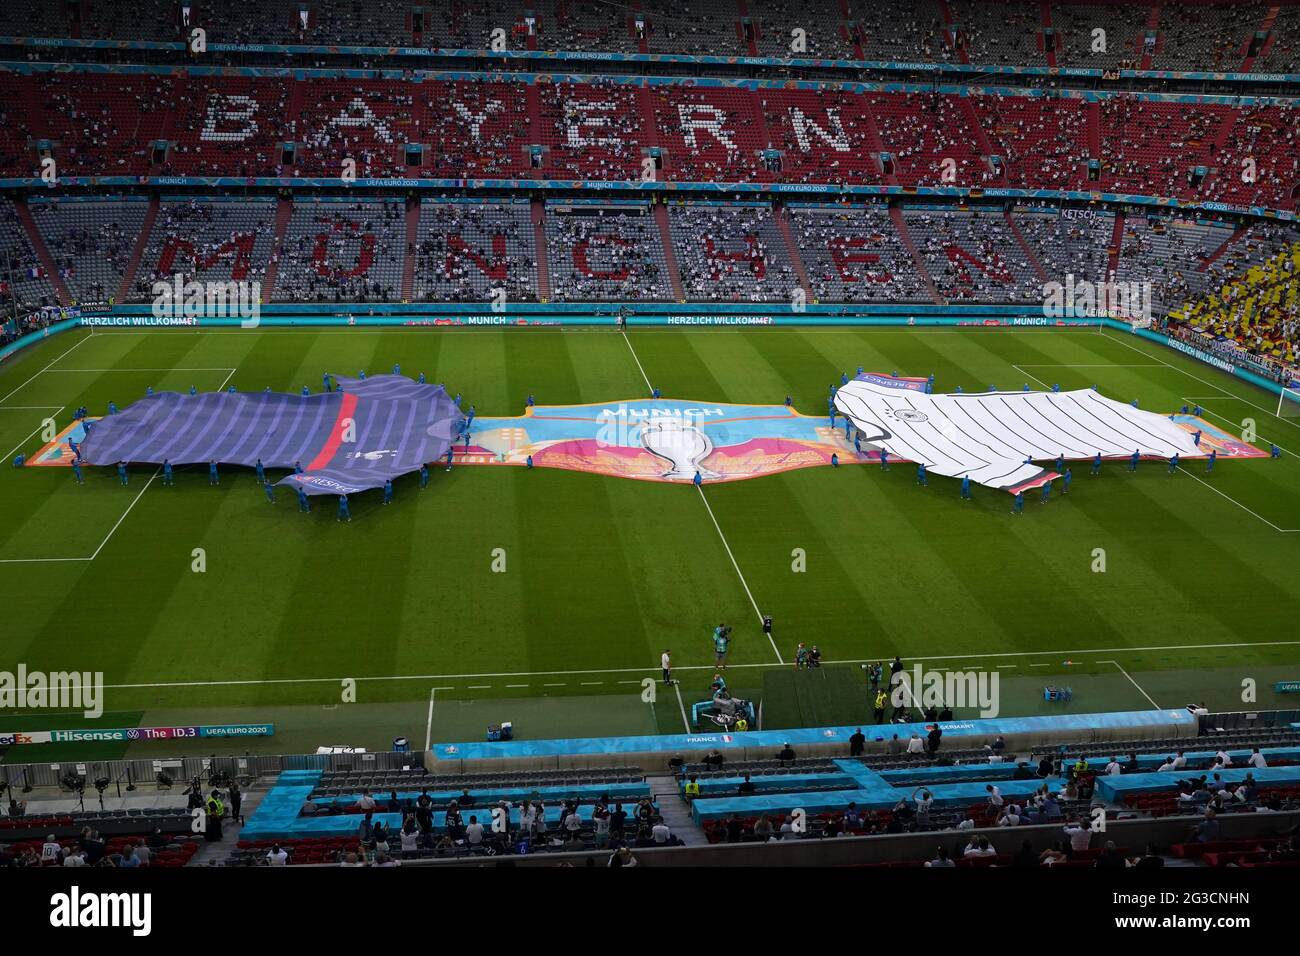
<point>1223,758</point>
<point>50,850</point>
<point>661,833</point>
<point>276,856</point>
<point>1179,761</point>
<point>1166,766</point>
<point>365,801</point>
<point>1080,836</point>
<point>1113,769</point>
<point>979,846</point>
<point>1257,760</point>
<point>915,746</point>
<point>474,832</point>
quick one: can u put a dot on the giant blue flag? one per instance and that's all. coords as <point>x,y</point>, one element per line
<point>357,437</point>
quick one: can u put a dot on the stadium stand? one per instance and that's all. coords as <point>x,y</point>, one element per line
<point>206,240</point>
<point>1121,43</point>
<point>605,252</point>
<point>485,132</point>
<point>1227,796</point>
<point>1041,141</point>
<point>591,131</point>
<point>730,253</point>
<point>343,251</point>
<point>237,130</point>
<point>26,280</point>
<point>1258,310</point>
<point>91,242</point>
<point>854,254</point>
<point>925,131</point>
<point>467,251</point>
<point>973,256</point>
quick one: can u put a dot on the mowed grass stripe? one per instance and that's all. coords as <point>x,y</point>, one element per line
<point>547,524</point>
<point>1175,575</point>
<point>232,524</point>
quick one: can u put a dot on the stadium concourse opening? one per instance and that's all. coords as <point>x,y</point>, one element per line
<point>952,346</point>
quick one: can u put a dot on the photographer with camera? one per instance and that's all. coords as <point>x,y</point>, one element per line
<point>721,641</point>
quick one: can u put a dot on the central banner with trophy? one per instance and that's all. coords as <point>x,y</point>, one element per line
<point>661,439</point>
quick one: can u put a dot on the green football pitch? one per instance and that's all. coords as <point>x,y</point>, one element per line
<point>1198,601</point>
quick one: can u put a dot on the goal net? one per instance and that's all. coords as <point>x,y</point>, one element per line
<point>1288,403</point>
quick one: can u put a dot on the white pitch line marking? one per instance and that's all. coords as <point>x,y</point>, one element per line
<point>428,721</point>
<point>689,667</point>
<point>649,388</point>
<point>1065,365</point>
<point>39,560</point>
<point>682,706</point>
<point>743,582</point>
<point>508,686</point>
<point>41,372</point>
<point>1237,503</point>
<point>1226,393</point>
<point>113,530</point>
<point>35,431</point>
<point>1023,372</point>
<point>1134,683</point>
<point>716,526</point>
<point>103,370</point>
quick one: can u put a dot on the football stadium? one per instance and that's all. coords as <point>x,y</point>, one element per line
<point>649,433</point>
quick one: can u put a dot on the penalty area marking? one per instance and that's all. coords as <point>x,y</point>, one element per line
<point>1238,503</point>
<point>35,431</point>
<point>1226,393</point>
<point>694,667</point>
<point>100,371</point>
<point>44,370</point>
<point>107,537</point>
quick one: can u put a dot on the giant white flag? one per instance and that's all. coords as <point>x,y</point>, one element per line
<point>995,438</point>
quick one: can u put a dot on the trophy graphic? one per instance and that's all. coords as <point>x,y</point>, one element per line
<point>682,444</point>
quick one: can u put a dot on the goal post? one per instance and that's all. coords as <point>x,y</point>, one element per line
<point>1288,402</point>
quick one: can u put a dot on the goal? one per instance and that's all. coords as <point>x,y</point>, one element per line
<point>1288,403</point>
